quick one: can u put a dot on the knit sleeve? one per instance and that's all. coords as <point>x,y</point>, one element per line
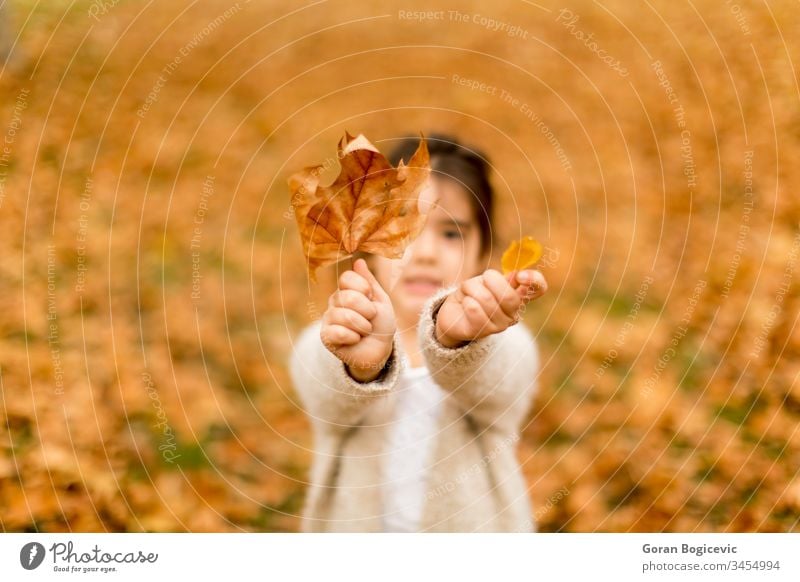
<point>332,398</point>
<point>493,379</point>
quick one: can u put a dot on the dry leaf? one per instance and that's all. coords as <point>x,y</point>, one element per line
<point>371,207</point>
<point>521,254</point>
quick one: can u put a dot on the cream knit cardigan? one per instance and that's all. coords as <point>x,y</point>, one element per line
<point>475,483</point>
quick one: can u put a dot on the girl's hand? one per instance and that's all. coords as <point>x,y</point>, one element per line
<point>486,304</point>
<point>359,325</point>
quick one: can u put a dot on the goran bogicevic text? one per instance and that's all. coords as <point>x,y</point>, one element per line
<point>688,549</point>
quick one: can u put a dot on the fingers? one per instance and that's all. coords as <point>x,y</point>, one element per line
<point>356,282</point>
<point>361,280</point>
<point>360,267</point>
<point>476,290</point>
<point>532,284</point>
<point>475,314</point>
<point>338,335</point>
<point>503,292</point>
<point>354,300</point>
<point>349,319</point>
<point>499,299</point>
<point>351,308</point>
<point>498,305</point>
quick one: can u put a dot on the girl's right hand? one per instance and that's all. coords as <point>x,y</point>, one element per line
<point>359,325</point>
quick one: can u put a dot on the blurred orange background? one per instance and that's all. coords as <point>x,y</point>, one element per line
<point>152,276</point>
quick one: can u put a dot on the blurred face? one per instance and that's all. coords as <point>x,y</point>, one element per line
<point>447,252</point>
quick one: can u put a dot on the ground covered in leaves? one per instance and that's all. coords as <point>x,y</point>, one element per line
<point>152,278</point>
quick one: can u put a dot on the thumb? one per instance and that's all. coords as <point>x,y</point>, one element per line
<point>529,284</point>
<point>360,267</point>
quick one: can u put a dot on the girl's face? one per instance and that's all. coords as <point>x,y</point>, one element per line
<point>447,252</point>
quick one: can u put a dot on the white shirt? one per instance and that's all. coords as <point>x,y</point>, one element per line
<point>407,458</point>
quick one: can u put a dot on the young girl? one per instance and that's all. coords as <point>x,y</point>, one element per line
<point>418,375</point>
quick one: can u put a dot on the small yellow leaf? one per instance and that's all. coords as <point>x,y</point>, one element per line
<point>521,254</point>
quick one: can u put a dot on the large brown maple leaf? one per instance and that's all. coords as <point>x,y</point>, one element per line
<point>371,207</point>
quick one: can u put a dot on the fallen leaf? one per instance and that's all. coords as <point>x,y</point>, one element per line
<point>521,254</point>
<point>371,207</point>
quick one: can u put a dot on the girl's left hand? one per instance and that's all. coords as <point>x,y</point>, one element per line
<point>486,304</point>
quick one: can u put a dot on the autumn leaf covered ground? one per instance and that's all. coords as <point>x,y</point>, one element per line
<point>152,279</point>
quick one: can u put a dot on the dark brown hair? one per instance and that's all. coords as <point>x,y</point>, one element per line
<point>464,164</point>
